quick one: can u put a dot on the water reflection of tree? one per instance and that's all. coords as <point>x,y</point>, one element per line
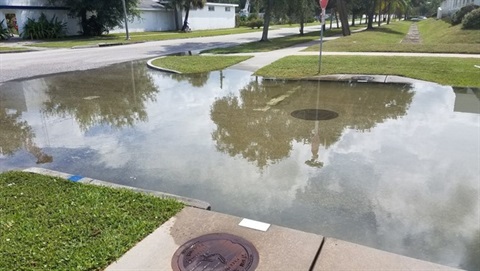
<point>196,80</point>
<point>257,125</point>
<point>472,252</point>
<point>16,134</point>
<point>115,97</point>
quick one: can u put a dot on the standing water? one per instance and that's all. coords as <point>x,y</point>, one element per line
<point>395,167</point>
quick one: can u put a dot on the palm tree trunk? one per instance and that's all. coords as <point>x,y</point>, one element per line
<point>175,14</point>
<point>187,12</point>
<point>342,10</point>
<point>302,23</point>
<point>266,20</point>
<point>83,16</point>
<point>371,13</point>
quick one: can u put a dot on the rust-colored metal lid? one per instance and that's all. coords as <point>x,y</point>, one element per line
<point>216,251</point>
<point>314,114</point>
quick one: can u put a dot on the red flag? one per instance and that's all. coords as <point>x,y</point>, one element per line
<point>323,3</point>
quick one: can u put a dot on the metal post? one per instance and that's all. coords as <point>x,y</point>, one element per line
<point>125,15</point>
<point>321,42</point>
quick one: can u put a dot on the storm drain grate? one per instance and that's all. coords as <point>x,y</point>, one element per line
<point>314,114</point>
<point>217,251</point>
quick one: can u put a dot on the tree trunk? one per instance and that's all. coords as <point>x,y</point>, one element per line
<point>302,23</point>
<point>187,12</point>
<point>353,19</point>
<point>331,19</point>
<point>342,10</point>
<point>371,14</point>
<point>336,19</point>
<point>175,14</point>
<point>389,13</point>
<point>266,20</point>
<point>83,16</point>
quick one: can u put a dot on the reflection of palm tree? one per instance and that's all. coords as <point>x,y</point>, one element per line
<point>42,158</point>
<point>196,80</point>
<point>118,101</point>
<point>257,125</point>
<point>16,134</point>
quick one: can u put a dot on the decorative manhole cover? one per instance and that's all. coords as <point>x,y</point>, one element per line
<point>314,114</point>
<point>217,251</point>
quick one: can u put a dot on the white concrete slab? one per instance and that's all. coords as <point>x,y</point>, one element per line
<point>341,255</point>
<point>279,248</point>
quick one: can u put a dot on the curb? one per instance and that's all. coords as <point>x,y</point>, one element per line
<point>80,179</point>
<point>151,66</point>
<point>357,78</point>
<point>17,51</point>
<point>104,45</point>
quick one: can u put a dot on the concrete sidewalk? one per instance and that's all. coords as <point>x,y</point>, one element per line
<point>278,248</point>
<point>260,60</point>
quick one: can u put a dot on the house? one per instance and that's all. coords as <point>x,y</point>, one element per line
<point>18,11</point>
<point>448,7</point>
<point>154,16</point>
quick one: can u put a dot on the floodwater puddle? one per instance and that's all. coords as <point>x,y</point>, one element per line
<point>393,167</point>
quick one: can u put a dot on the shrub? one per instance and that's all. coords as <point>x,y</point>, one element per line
<point>255,23</point>
<point>472,20</point>
<point>4,34</point>
<point>94,27</point>
<point>252,16</point>
<point>458,16</point>
<point>43,28</point>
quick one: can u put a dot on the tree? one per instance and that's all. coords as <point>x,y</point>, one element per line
<point>371,4</point>
<point>99,16</point>
<point>188,4</point>
<point>343,14</point>
<point>301,10</point>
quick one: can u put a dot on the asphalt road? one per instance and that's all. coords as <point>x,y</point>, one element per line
<point>29,64</point>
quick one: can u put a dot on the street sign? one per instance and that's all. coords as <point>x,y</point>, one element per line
<point>323,3</point>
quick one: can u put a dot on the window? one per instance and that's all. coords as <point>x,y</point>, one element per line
<point>227,9</point>
<point>211,8</point>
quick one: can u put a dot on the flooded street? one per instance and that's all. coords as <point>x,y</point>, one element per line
<point>394,167</point>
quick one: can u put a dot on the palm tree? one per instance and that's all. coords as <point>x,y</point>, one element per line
<point>188,4</point>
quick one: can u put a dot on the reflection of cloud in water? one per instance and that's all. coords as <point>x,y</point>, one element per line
<point>423,204</point>
<point>407,183</point>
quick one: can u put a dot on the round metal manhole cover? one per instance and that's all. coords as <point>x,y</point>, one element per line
<point>217,251</point>
<point>314,114</point>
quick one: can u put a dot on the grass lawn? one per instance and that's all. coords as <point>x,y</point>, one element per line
<point>198,64</point>
<point>49,223</point>
<point>276,43</point>
<point>446,71</point>
<point>8,49</point>
<point>139,37</point>
<point>437,37</point>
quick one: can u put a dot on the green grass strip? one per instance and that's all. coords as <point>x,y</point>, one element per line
<point>9,49</point>
<point>197,63</point>
<point>447,71</point>
<point>49,223</point>
<point>437,37</point>
<point>139,37</point>
<point>276,43</point>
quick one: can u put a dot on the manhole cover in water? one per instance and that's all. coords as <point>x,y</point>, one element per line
<point>314,114</point>
<point>217,251</point>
